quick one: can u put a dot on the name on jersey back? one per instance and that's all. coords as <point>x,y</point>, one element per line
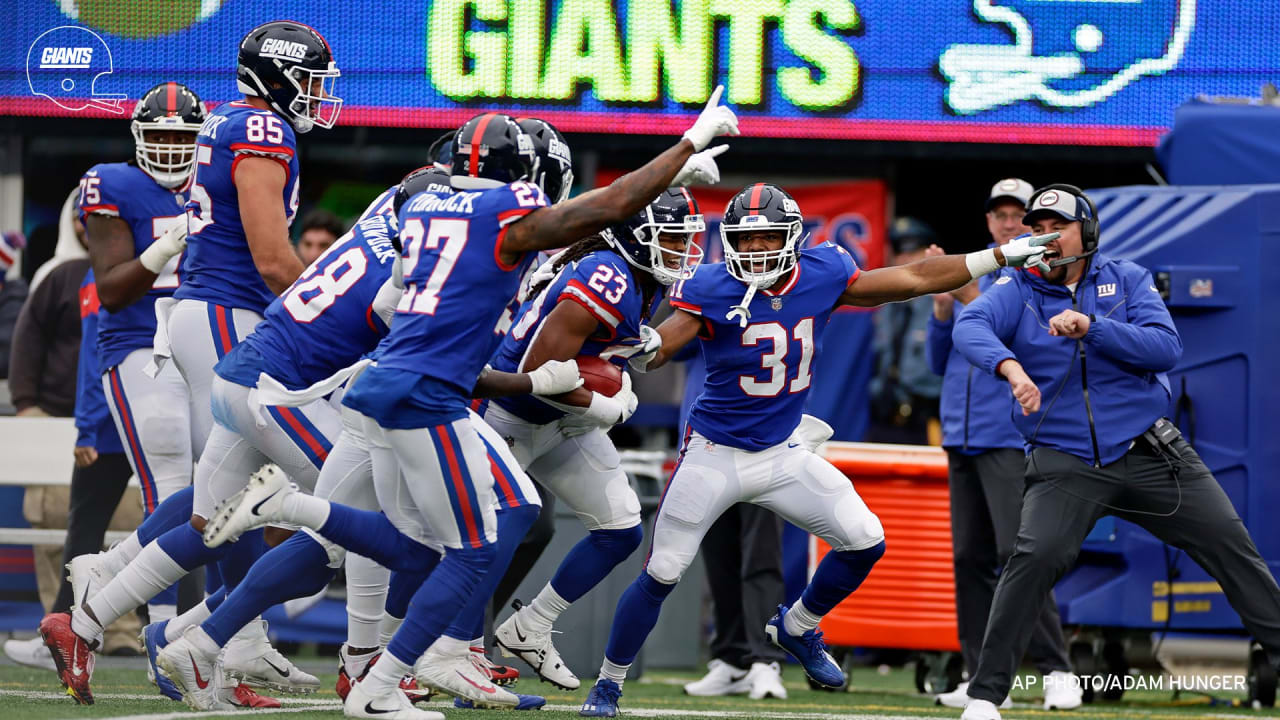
<point>460,203</point>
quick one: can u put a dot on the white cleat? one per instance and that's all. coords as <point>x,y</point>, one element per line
<point>194,674</point>
<point>258,504</point>
<point>86,576</point>
<point>394,705</point>
<point>959,698</point>
<point>251,659</point>
<point>461,677</point>
<point>32,653</point>
<point>1062,691</point>
<point>536,649</point>
<point>721,679</point>
<point>980,710</point>
<point>765,680</point>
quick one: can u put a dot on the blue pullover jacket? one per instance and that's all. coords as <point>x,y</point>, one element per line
<point>1099,393</point>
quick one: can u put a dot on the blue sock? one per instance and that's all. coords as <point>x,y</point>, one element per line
<point>243,554</point>
<point>513,524</point>
<point>186,546</point>
<point>838,575</point>
<point>440,599</point>
<point>213,580</point>
<point>402,588</point>
<point>635,617</point>
<point>297,568</point>
<point>593,558</point>
<point>372,535</point>
<point>174,511</point>
<point>214,601</point>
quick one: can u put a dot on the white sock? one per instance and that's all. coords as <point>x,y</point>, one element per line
<point>384,676</point>
<point>449,646</point>
<point>202,642</point>
<point>121,554</point>
<point>477,645</point>
<point>799,619</point>
<point>196,615</point>
<point>149,573</point>
<point>366,596</point>
<point>254,631</point>
<point>387,628</point>
<point>614,672</point>
<point>160,613</point>
<point>355,663</point>
<point>302,509</point>
<point>546,607</point>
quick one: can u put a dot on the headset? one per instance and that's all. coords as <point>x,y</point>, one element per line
<point>1089,232</point>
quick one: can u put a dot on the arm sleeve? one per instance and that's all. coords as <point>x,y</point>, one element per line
<point>979,330</point>
<point>938,342</point>
<point>30,346</point>
<point>1148,340</point>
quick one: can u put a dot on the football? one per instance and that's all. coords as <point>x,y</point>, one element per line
<point>599,375</point>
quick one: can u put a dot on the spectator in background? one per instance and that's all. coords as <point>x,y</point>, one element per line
<point>986,463</point>
<point>320,229</point>
<point>904,393</point>
<point>12,292</point>
<point>44,353</point>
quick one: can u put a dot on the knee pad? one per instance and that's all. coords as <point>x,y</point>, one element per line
<point>337,554</point>
<point>665,568</point>
<point>617,545</point>
<point>859,525</point>
<point>165,435</point>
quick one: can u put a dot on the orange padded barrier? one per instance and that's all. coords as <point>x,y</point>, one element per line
<point>908,601</point>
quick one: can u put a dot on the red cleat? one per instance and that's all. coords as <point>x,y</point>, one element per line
<point>71,654</point>
<point>498,674</point>
<point>244,696</point>
<point>409,685</point>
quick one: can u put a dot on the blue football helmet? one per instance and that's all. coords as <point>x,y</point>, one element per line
<point>674,212</point>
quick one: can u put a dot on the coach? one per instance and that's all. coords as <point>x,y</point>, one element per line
<point>1085,343</point>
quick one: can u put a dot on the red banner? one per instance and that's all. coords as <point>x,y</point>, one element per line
<point>851,213</point>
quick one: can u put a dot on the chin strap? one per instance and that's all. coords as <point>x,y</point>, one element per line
<point>742,310</point>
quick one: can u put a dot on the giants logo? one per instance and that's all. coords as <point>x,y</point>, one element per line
<point>66,57</point>
<point>282,49</point>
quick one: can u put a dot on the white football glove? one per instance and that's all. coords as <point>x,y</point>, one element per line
<point>555,377</point>
<point>171,242</point>
<point>715,120</point>
<point>650,344</point>
<point>700,168</point>
<point>604,411</point>
<point>1026,251</point>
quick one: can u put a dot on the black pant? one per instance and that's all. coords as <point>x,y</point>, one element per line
<point>1059,509</point>
<point>742,551</point>
<point>986,503</point>
<point>95,492</point>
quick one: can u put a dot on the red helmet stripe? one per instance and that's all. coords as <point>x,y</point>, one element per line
<point>476,137</point>
<point>755,198</point>
<point>171,98</point>
<point>689,199</point>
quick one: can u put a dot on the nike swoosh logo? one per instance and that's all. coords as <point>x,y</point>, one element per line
<point>519,635</point>
<point>200,682</point>
<point>370,709</point>
<point>283,673</point>
<point>254,509</point>
<point>490,690</point>
<point>793,445</point>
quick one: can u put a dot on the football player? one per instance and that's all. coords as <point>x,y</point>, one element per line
<point>243,196</point>
<point>602,292</point>
<point>744,441</point>
<point>464,254</point>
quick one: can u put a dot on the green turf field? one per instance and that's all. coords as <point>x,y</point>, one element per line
<point>122,691</point>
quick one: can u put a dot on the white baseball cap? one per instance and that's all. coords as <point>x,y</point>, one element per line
<point>1011,188</point>
<point>1054,202</point>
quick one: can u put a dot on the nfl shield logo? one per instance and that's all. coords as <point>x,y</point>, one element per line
<point>776,303</point>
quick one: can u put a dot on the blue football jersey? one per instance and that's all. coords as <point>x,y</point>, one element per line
<point>325,320</point>
<point>604,284</point>
<point>758,376</point>
<point>124,191</point>
<point>218,267</point>
<point>456,289</point>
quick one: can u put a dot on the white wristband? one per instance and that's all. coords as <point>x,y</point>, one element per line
<point>155,257</point>
<point>981,263</point>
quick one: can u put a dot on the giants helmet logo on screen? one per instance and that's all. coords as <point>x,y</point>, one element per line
<point>1065,53</point>
<point>65,65</point>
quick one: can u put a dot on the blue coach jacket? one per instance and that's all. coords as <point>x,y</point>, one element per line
<point>975,404</point>
<point>1096,394</point>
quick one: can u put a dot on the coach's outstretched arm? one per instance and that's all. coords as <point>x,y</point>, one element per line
<point>260,184</point>
<point>596,210</point>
